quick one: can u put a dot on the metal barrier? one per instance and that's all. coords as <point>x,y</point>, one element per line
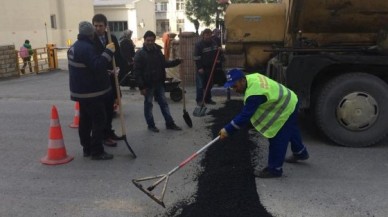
<point>42,60</point>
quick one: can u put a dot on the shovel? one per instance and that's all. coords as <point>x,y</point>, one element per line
<point>165,177</point>
<point>201,110</point>
<point>186,115</point>
<point>123,130</point>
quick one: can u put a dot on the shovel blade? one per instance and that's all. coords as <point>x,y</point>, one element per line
<point>187,118</point>
<point>199,111</point>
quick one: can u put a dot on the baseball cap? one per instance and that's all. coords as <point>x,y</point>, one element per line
<point>233,76</point>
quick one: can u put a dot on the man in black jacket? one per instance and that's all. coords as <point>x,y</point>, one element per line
<point>100,23</point>
<point>205,53</point>
<point>127,51</point>
<point>150,71</point>
<point>89,85</point>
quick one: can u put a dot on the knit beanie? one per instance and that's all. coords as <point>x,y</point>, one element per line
<point>86,28</point>
<point>149,34</point>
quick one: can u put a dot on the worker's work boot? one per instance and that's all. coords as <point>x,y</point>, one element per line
<point>102,156</point>
<point>267,174</point>
<point>296,158</point>
<point>173,126</point>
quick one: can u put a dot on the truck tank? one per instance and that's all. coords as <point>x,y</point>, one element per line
<point>338,22</point>
<point>252,28</point>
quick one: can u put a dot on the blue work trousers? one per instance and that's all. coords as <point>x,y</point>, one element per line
<point>278,145</point>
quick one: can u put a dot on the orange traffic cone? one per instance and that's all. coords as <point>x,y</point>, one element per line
<point>75,123</point>
<point>56,153</point>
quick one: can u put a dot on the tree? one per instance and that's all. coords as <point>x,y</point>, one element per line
<point>206,11</point>
<point>210,11</point>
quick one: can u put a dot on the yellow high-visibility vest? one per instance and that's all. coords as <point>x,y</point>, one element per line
<point>271,115</point>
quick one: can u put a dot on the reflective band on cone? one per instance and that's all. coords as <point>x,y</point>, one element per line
<point>56,153</point>
<point>75,123</point>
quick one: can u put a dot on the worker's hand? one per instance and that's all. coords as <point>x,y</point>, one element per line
<point>201,71</point>
<point>179,61</point>
<point>143,91</point>
<point>114,72</point>
<point>111,47</point>
<point>223,134</point>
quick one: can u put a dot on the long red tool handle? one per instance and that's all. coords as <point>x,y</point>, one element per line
<point>211,77</point>
<point>193,156</point>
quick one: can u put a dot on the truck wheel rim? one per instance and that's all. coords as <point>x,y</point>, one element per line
<point>357,111</point>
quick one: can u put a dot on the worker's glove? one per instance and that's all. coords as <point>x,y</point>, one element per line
<point>114,72</point>
<point>177,61</point>
<point>223,134</point>
<point>111,47</point>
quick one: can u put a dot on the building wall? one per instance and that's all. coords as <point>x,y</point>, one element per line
<point>145,14</point>
<point>30,19</point>
<point>134,12</point>
<point>71,13</point>
<point>114,14</point>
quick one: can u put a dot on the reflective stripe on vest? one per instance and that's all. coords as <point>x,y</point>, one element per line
<point>90,95</point>
<point>271,115</point>
<point>75,64</point>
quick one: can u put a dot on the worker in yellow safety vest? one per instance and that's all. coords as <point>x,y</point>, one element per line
<point>272,110</point>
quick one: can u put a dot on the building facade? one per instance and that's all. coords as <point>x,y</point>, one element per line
<point>158,16</point>
<point>42,21</point>
<point>56,21</point>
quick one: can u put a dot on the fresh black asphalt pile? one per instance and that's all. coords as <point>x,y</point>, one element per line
<point>226,185</point>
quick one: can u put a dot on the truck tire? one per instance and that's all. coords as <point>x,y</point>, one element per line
<point>352,109</point>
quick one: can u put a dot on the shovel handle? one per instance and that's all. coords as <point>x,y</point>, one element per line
<point>211,77</point>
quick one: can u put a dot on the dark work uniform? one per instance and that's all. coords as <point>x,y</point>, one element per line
<point>100,46</point>
<point>89,85</point>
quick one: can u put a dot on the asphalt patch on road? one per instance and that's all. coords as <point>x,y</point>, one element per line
<point>226,184</point>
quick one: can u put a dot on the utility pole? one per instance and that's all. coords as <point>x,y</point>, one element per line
<point>45,26</point>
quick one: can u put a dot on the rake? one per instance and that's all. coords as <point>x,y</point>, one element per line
<point>165,177</point>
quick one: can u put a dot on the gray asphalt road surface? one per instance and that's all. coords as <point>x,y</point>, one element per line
<point>335,181</point>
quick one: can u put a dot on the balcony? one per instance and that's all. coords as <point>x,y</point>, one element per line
<point>160,15</point>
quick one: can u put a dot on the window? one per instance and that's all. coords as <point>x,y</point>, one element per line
<point>118,26</point>
<point>180,5</point>
<point>180,23</point>
<point>53,20</point>
<point>161,6</point>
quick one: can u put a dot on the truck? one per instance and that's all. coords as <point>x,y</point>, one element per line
<point>332,53</point>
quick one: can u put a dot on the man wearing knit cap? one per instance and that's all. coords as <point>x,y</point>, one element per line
<point>89,85</point>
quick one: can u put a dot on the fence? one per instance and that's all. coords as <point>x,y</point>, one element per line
<point>8,65</point>
<point>43,59</point>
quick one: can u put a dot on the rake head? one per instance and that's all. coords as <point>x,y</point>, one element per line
<point>147,190</point>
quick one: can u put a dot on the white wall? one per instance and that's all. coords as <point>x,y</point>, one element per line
<point>20,20</point>
<point>145,11</point>
<point>72,12</point>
